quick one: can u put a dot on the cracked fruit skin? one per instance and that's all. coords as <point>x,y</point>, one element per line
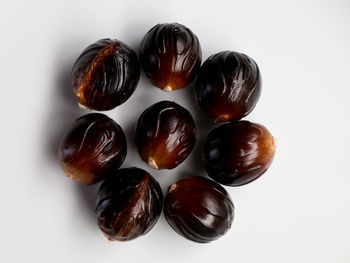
<point>199,209</point>
<point>239,152</point>
<point>129,203</point>
<point>105,75</point>
<point>94,146</point>
<point>165,135</point>
<point>170,56</point>
<point>228,86</point>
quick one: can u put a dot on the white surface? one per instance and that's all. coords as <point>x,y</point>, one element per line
<point>297,212</point>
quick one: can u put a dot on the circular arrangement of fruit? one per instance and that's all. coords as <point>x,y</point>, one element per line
<point>130,200</point>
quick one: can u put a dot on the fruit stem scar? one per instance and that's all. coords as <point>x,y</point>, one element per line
<point>172,187</point>
<point>152,163</point>
<point>82,106</point>
<point>168,88</point>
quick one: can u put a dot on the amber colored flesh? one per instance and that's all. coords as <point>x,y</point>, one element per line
<point>129,203</point>
<point>87,81</point>
<point>105,74</point>
<point>239,152</point>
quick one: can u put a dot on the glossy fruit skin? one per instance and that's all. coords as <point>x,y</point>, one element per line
<point>170,56</point>
<point>94,146</point>
<point>165,135</point>
<point>129,203</point>
<point>199,209</point>
<point>105,75</point>
<point>239,152</point>
<point>228,86</point>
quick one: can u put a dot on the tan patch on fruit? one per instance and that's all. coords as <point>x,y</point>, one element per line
<point>172,187</point>
<point>152,163</point>
<point>81,105</point>
<point>168,88</point>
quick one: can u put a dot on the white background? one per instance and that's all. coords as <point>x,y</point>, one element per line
<point>297,212</point>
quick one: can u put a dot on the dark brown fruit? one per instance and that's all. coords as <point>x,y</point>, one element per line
<point>129,203</point>
<point>228,86</point>
<point>170,56</point>
<point>94,146</point>
<point>239,152</point>
<point>105,75</point>
<point>199,209</point>
<point>165,135</point>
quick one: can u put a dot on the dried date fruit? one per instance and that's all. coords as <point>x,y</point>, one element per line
<point>94,146</point>
<point>199,209</point>
<point>170,56</point>
<point>228,86</point>
<point>165,135</point>
<point>239,152</point>
<point>105,75</point>
<point>129,203</point>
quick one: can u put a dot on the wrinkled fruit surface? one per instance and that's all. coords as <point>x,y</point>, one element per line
<point>129,203</point>
<point>94,146</point>
<point>170,56</point>
<point>239,152</point>
<point>105,75</point>
<point>228,86</point>
<point>199,209</point>
<point>165,135</point>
